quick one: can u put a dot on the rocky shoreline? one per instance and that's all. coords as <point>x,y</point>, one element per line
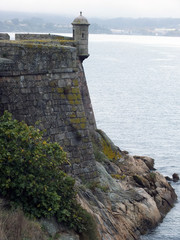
<point>131,197</point>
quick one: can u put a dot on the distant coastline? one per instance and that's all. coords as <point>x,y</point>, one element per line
<point>43,23</point>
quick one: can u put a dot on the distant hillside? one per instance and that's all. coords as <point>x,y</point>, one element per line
<point>33,22</point>
<point>54,18</point>
<point>129,23</point>
<point>142,26</point>
<point>30,22</point>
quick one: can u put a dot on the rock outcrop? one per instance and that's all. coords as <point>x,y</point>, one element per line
<point>130,198</point>
<point>175,177</point>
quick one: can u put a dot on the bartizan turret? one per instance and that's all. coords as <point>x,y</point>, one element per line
<point>80,34</point>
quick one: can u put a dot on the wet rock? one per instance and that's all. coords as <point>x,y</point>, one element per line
<point>125,152</point>
<point>175,177</point>
<point>168,178</point>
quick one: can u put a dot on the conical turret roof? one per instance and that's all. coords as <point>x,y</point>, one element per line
<point>81,20</point>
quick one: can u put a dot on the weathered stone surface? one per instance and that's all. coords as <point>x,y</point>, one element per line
<point>36,84</point>
<point>126,210</point>
<point>50,225</point>
<point>68,236</point>
<point>6,66</point>
<point>147,160</point>
<point>34,58</point>
<point>86,100</point>
<point>31,36</point>
<point>122,212</point>
<point>58,231</point>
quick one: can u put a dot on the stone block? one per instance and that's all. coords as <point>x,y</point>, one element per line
<point>61,83</point>
<point>4,99</point>
<point>70,135</point>
<point>60,137</point>
<point>74,142</point>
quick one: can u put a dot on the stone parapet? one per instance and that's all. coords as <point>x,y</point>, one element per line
<point>4,36</point>
<point>30,36</point>
<point>33,58</point>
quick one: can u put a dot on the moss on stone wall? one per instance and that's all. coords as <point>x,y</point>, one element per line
<point>71,93</point>
<point>42,43</point>
<point>75,82</point>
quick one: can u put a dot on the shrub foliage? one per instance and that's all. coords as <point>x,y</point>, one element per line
<point>31,176</point>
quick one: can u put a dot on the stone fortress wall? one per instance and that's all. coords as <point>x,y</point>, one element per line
<point>42,79</point>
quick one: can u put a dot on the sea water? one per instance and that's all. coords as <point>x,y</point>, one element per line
<point>134,84</point>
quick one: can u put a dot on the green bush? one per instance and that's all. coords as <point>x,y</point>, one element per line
<point>31,176</point>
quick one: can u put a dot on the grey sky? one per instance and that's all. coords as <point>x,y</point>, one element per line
<point>97,8</point>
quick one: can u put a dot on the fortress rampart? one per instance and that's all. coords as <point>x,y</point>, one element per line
<point>42,79</point>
